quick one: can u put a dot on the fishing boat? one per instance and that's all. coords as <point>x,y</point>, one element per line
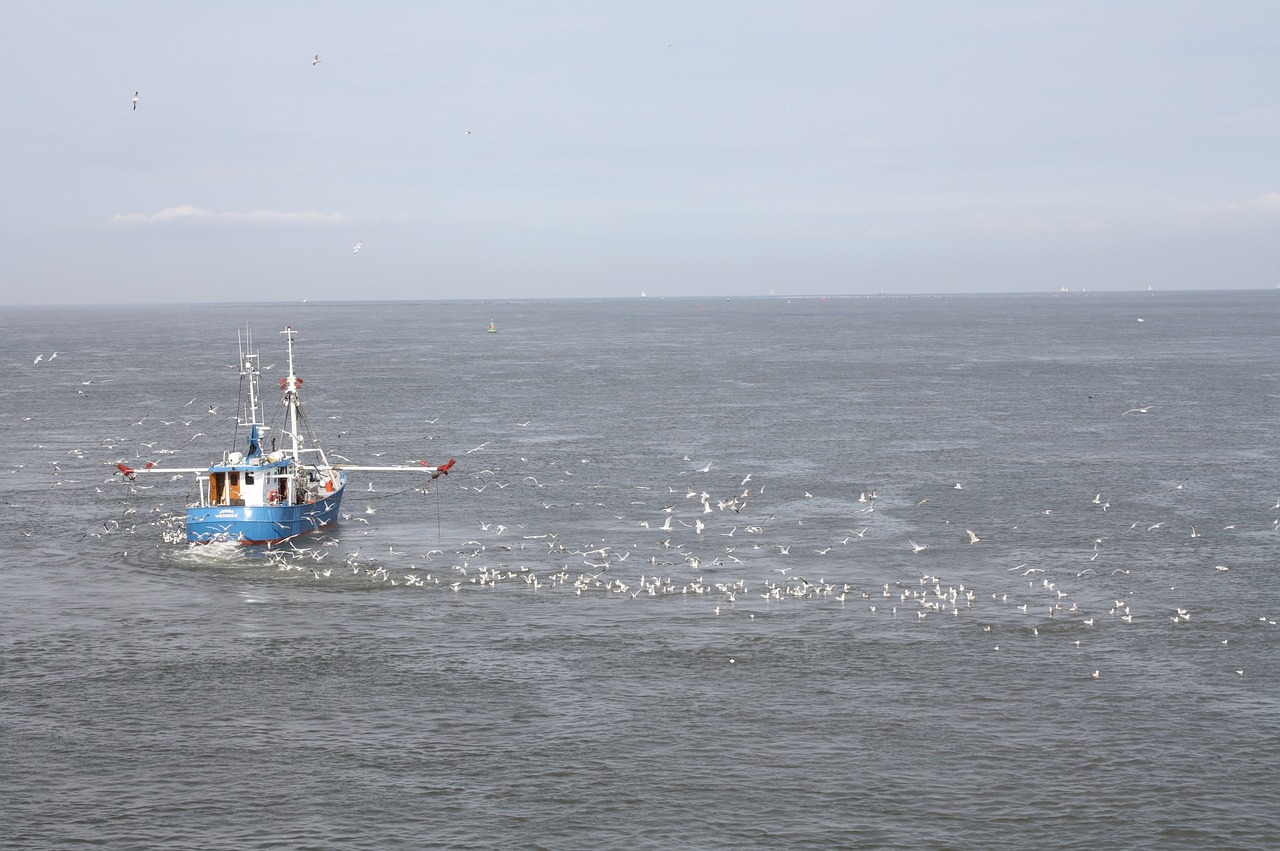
<point>493,329</point>
<point>269,493</point>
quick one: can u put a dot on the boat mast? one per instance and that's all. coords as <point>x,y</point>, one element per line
<point>293,408</point>
<point>291,398</point>
<point>249,369</point>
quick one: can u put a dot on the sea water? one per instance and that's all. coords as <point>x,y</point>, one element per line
<point>702,577</point>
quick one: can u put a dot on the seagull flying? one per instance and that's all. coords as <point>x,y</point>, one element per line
<point>358,246</point>
<point>135,100</point>
<point>315,60</point>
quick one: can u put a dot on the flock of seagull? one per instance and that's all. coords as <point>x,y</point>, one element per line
<point>742,546</point>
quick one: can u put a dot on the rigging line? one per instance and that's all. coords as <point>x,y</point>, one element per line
<point>370,495</point>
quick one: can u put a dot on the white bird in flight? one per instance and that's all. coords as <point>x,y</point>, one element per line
<point>315,60</point>
<point>915,548</point>
<point>135,100</point>
<point>358,246</point>
<point>1138,410</point>
<point>973,539</point>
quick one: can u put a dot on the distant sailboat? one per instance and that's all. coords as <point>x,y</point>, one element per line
<point>643,294</point>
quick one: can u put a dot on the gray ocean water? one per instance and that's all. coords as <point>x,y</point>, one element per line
<point>523,657</point>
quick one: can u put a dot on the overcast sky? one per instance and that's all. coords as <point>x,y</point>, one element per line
<point>516,149</point>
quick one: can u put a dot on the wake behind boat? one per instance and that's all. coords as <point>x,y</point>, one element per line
<point>265,495</point>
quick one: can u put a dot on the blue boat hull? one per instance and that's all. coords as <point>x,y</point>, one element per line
<point>265,524</point>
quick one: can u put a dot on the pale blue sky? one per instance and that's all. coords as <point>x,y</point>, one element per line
<point>680,148</point>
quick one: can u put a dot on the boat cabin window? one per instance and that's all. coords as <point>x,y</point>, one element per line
<point>224,488</point>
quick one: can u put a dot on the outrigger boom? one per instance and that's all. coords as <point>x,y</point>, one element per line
<point>421,467</point>
<point>443,469</point>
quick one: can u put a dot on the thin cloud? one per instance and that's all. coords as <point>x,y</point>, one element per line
<point>189,212</point>
<point>1268,201</point>
<point>1030,224</point>
<point>1256,209</point>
